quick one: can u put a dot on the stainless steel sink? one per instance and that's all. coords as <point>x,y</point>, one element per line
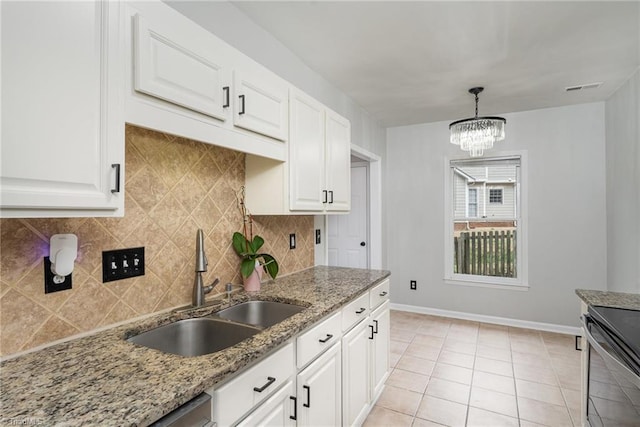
<point>194,337</point>
<point>260,313</point>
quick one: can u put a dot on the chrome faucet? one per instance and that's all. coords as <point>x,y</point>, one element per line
<point>199,290</point>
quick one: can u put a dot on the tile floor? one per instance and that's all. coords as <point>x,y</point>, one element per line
<point>461,373</point>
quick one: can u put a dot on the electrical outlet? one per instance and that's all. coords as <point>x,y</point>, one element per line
<point>292,241</point>
<point>413,285</point>
<point>51,284</point>
<point>317,236</point>
<point>122,263</point>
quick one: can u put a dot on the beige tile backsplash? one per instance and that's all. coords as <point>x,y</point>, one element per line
<point>173,187</point>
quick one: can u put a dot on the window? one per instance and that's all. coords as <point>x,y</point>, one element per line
<point>473,202</point>
<point>485,221</point>
<point>495,195</point>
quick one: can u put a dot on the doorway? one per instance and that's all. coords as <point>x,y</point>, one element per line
<point>347,233</point>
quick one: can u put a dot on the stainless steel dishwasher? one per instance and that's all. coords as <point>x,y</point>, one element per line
<point>194,413</point>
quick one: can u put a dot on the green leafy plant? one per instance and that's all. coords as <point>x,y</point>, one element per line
<point>247,245</point>
<point>248,251</point>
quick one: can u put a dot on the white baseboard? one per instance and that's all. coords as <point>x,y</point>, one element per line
<point>549,327</point>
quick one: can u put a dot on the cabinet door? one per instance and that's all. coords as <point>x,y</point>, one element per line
<point>380,349</point>
<point>356,374</point>
<point>261,104</point>
<point>306,154</point>
<point>318,391</point>
<point>177,61</point>
<point>338,161</point>
<point>62,115</point>
<point>277,411</point>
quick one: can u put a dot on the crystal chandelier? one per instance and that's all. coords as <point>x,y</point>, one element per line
<point>478,133</point>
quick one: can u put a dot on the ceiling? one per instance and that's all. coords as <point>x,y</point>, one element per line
<point>413,62</point>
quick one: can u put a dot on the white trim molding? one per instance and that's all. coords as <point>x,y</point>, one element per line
<point>516,323</point>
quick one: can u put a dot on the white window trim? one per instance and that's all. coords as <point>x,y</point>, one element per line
<point>522,281</point>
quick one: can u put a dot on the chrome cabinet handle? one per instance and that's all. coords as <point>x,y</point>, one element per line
<point>329,336</point>
<point>226,97</point>
<point>117,189</point>
<point>270,380</point>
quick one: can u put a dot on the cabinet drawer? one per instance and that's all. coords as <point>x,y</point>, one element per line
<point>355,311</point>
<point>379,294</point>
<point>318,339</point>
<point>239,395</point>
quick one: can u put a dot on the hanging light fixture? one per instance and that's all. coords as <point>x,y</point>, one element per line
<point>478,133</point>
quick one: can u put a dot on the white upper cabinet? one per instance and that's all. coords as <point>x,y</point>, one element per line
<point>62,151</point>
<point>173,63</point>
<point>261,104</point>
<point>338,162</point>
<point>306,153</point>
<point>317,176</point>
<point>183,80</point>
<point>319,157</point>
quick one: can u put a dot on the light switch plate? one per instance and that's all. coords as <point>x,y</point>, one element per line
<point>122,263</point>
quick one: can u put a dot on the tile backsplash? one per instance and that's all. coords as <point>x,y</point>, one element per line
<point>173,187</point>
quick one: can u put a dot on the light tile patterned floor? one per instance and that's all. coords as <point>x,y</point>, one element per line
<point>460,373</point>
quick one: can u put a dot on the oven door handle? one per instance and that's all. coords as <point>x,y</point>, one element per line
<point>586,320</point>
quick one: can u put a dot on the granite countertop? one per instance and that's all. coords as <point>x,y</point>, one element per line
<point>610,299</point>
<point>104,380</point>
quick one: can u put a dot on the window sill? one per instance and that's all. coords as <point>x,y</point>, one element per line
<point>478,284</point>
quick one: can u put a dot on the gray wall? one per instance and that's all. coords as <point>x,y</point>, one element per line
<point>623,187</point>
<point>567,215</point>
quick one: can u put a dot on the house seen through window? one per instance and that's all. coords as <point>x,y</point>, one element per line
<point>484,220</point>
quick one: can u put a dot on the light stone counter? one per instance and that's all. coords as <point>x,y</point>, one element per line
<point>103,380</point>
<point>610,299</point>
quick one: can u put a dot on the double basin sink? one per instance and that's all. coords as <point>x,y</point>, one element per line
<point>226,328</point>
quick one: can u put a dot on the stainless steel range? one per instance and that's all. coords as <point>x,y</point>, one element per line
<point>613,385</point>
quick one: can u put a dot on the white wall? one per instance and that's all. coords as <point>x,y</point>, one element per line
<point>623,187</point>
<point>567,215</point>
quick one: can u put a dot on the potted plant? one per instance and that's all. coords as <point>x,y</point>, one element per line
<point>247,246</point>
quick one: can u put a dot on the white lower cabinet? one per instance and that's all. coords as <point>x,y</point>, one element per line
<point>329,375</point>
<point>365,357</point>
<point>356,374</point>
<point>318,391</point>
<point>380,347</point>
<point>277,411</point>
<point>253,386</point>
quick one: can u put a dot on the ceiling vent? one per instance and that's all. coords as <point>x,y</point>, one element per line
<point>583,86</point>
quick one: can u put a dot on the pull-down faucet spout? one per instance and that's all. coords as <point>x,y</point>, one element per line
<point>199,290</point>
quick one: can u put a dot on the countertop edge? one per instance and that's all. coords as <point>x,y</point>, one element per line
<point>609,299</point>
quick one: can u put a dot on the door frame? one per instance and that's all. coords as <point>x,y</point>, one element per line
<point>374,212</point>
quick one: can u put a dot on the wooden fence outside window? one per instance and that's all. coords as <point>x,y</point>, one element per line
<point>486,253</point>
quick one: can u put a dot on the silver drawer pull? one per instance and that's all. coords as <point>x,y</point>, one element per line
<point>383,294</point>
<point>270,380</point>
<point>329,336</point>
